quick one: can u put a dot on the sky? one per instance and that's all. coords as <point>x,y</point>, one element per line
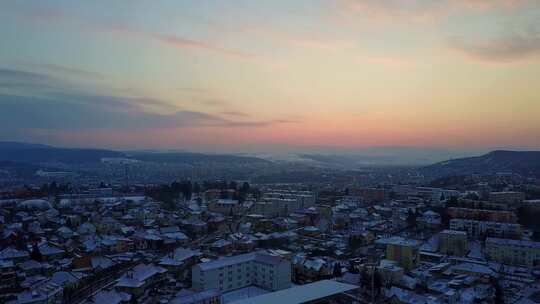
<point>247,75</point>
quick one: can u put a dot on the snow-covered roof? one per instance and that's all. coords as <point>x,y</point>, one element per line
<point>300,294</point>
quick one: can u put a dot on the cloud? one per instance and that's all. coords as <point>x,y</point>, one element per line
<point>57,109</point>
<point>508,47</point>
<point>172,40</point>
<point>22,81</point>
<point>66,70</point>
<point>416,11</point>
<point>28,112</point>
<point>235,113</point>
<point>195,90</point>
<point>180,42</point>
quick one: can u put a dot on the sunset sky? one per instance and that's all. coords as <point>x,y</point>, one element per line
<point>233,75</point>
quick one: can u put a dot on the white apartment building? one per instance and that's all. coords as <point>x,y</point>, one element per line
<point>275,207</point>
<point>282,202</point>
<point>512,197</point>
<point>476,228</point>
<point>260,269</point>
<point>513,252</point>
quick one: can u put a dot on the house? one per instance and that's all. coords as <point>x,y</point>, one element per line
<point>179,261</point>
<point>111,297</point>
<point>212,296</point>
<point>140,278</point>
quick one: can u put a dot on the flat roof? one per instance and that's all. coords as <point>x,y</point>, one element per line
<point>457,232</point>
<point>300,294</point>
<point>511,242</point>
<point>397,240</point>
<point>260,257</point>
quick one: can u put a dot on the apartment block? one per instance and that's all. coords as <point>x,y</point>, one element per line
<point>282,202</point>
<point>453,242</point>
<point>476,228</point>
<point>230,273</point>
<point>404,251</point>
<point>512,197</point>
<point>513,252</point>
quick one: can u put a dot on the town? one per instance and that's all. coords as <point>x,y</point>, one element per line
<point>217,241</point>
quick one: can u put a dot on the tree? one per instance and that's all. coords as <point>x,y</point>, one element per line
<point>337,270</point>
<point>245,187</point>
<point>377,282</point>
<point>499,292</point>
<point>352,269</point>
<point>411,218</point>
<point>196,188</point>
<point>36,254</point>
<point>365,279</point>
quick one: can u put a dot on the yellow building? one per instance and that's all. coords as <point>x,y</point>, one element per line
<point>404,251</point>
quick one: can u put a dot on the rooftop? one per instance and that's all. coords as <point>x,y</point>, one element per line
<point>300,294</point>
<point>510,242</point>
<point>242,258</point>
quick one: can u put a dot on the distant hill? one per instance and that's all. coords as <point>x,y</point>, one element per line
<point>13,145</point>
<point>192,158</point>
<point>36,154</point>
<point>526,163</point>
<point>25,153</point>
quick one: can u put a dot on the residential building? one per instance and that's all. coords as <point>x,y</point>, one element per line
<point>513,252</point>
<point>453,242</point>
<point>511,197</point>
<point>140,278</point>
<point>476,228</point>
<point>229,273</point>
<point>404,251</point>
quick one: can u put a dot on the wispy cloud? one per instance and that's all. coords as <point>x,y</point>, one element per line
<point>192,90</point>
<point>66,70</point>
<point>57,109</point>
<point>508,47</point>
<point>27,112</point>
<point>181,42</point>
<point>415,11</point>
<point>235,113</point>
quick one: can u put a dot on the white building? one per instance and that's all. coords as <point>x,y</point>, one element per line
<point>475,228</point>
<point>229,273</point>
<point>282,202</point>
